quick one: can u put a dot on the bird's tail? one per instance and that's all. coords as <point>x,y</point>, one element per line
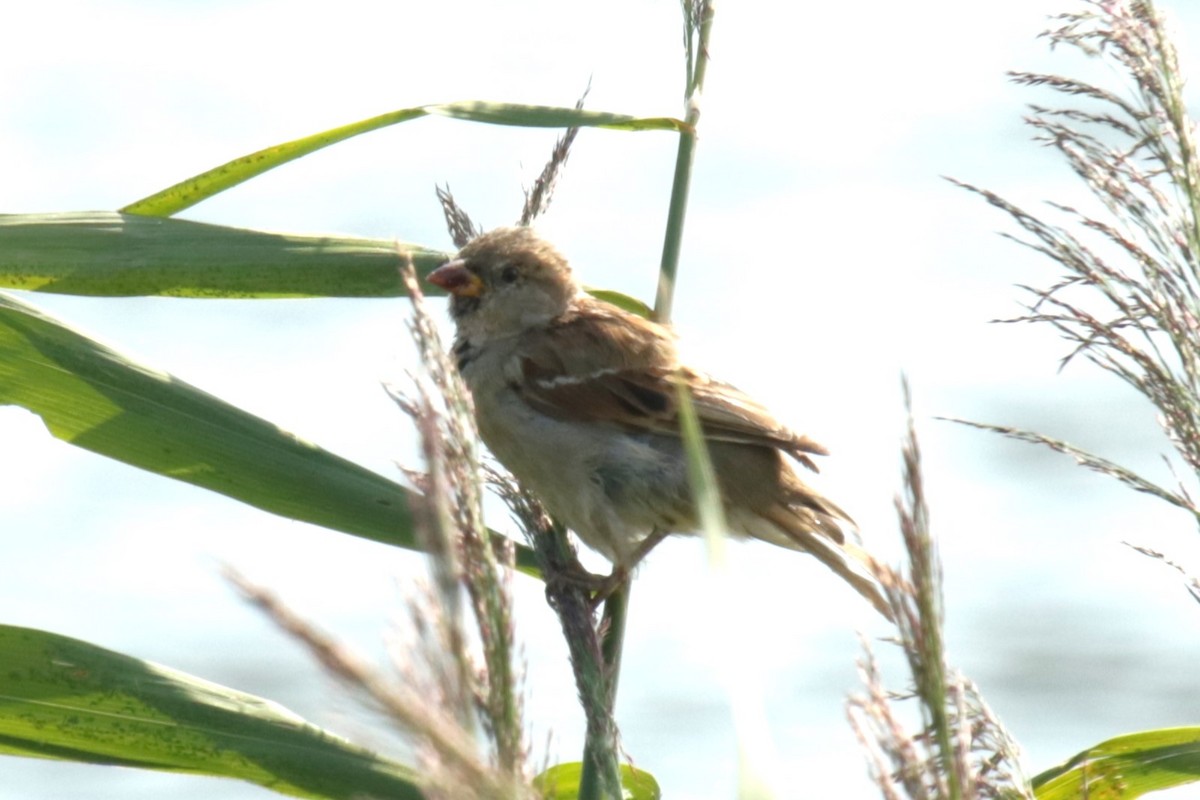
<point>816,527</point>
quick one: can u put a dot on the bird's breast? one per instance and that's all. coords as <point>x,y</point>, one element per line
<point>608,485</point>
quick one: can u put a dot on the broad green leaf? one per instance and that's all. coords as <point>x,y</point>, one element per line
<point>62,698</point>
<point>561,782</point>
<point>1125,767</point>
<point>112,254</point>
<point>94,397</point>
<point>187,193</point>
<point>109,254</point>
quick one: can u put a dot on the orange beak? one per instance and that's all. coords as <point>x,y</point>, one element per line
<point>455,278</point>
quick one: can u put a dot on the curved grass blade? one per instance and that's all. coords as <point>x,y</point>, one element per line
<point>1125,767</point>
<point>96,398</point>
<point>93,397</point>
<point>104,253</point>
<point>187,193</point>
<point>66,699</point>
<point>561,782</point>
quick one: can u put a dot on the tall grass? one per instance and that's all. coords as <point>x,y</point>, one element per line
<point>1128,296</point>
<point>1128,301</point>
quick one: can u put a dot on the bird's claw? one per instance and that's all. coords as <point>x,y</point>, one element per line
<point>597,587</point>
<point>615,580</point>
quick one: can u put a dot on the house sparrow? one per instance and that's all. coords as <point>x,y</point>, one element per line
<point>577,398</point>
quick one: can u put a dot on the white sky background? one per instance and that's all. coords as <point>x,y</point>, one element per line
<point>823,256</point>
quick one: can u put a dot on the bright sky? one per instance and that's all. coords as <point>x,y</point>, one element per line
<point>824,254</point>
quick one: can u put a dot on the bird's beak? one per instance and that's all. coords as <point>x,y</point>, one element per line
<point>455,278</point>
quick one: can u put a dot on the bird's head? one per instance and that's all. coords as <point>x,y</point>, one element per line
<point>505,281</point>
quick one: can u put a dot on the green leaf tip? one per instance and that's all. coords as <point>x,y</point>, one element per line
<point>561,782</point>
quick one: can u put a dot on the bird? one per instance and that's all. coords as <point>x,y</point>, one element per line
<point>577,398</point>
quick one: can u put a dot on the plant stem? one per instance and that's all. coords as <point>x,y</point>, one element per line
<point>698,21</point>
<point>600,777</point>
<point>611,645</point>
<point>613,626</point>
<point>684,157</point>
<point>675,215</point>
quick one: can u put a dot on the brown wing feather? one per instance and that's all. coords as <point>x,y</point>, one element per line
<point>602,364</point>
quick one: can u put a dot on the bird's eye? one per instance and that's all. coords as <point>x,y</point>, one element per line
<point>509,274</point>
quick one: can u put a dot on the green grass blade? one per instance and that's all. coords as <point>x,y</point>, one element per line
<point>1125,767</point>
<point>187,193</point>
<point>702,477</point>
<point>66,699</point>
<point>94,397</point>
<point>103,253</point>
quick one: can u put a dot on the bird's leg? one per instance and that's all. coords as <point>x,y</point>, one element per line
<point>610,584</point>
<point>621,572</point>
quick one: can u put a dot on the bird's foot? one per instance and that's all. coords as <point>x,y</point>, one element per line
<point>604,589</point>
<point>601,587</point>
<point>575,577</point>
<point>622,572</point>
<point>597,587</point>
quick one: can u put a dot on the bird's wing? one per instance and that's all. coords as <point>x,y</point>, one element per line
<point>601,364</point>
